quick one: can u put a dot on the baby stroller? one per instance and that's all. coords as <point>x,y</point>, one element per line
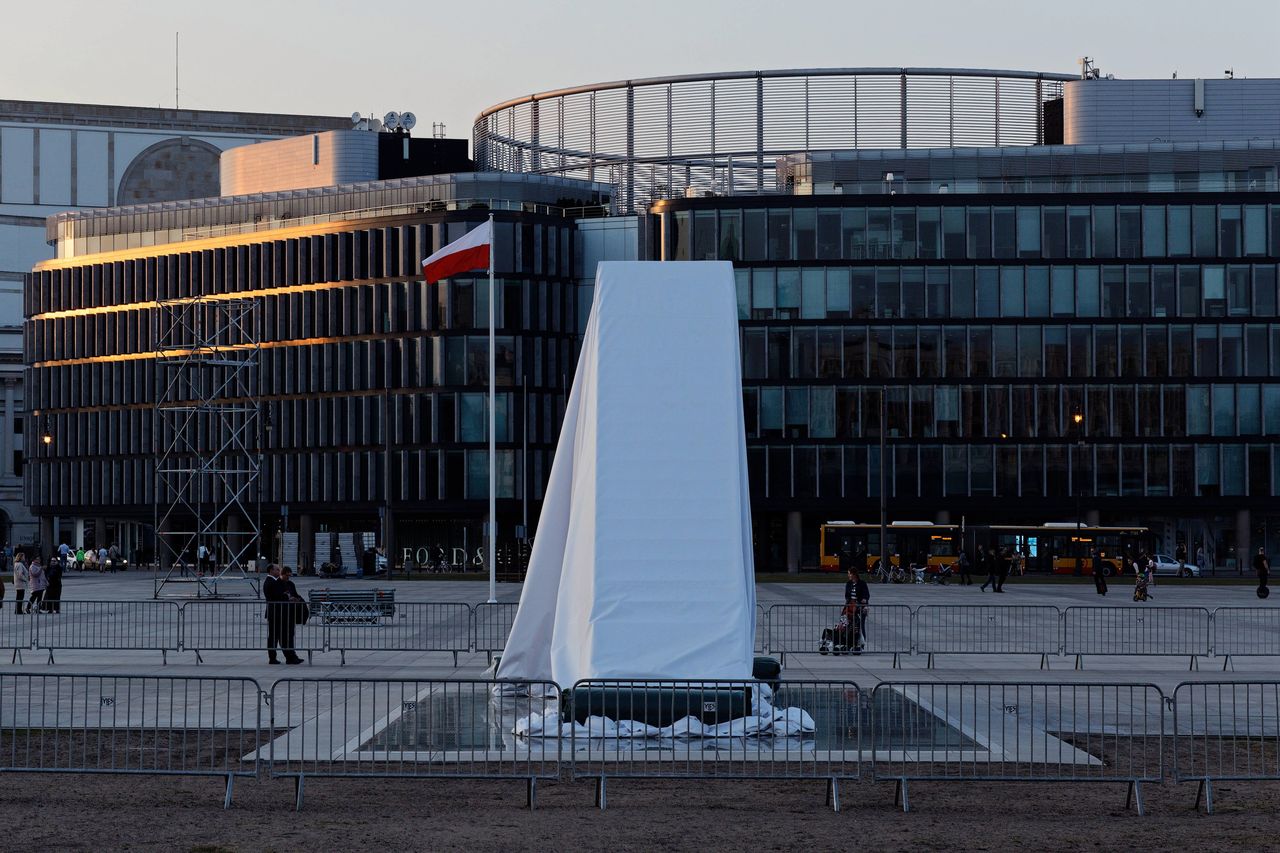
<point>844,638</point>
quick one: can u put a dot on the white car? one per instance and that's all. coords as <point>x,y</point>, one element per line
<point>1166,565</point>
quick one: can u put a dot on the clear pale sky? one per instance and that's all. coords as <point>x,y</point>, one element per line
<point>448,60</point>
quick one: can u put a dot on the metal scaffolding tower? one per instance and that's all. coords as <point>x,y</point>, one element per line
<point>206,430</point>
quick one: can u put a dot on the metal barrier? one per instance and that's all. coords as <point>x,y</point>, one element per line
<point>1241,631</point>
<point>761,642</point>
<point>131,724</point>
<point>797,628</point>
<point>109,625</point>
<point>240,626</point>
<point>17,630</point>
<point>988,629</point>
<point>1173,631</point>
<point>490,626</point>
<point>1016,732</point>
<point>411,728</point>
<point>740,730</point>
<point>413,627</point>
<point>1225,731</point>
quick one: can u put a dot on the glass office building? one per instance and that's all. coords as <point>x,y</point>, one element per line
<point>983,324</point>
<point>360,361</point>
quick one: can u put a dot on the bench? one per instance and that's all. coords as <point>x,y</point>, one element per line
<point>367,606</point>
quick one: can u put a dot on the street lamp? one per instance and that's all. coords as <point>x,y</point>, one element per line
<point>1078,417</point>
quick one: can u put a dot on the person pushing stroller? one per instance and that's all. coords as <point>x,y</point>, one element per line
<point>849,634</point>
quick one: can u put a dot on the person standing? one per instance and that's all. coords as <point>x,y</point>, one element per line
<point>278,616</point>
<point>1180,554</point>
<point>113,557</point>
<point>858,594</point>
<point>1201,562</point>
<point>37,583</point>
<point>102,559</point>
<point>52,602</point>
<point>1099,573</point>
<point>966,568</point>
<point>20,579</point>
<point>80,559</point>
<point>1263,567</point>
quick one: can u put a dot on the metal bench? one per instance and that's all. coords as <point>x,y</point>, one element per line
<point>367,606</point>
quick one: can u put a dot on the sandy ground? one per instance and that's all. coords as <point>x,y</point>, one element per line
<point>60,812</point>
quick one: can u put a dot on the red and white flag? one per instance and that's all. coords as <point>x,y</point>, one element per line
<point>469,252</point>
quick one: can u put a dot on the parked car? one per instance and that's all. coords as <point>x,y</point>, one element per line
<point>1166,565</point>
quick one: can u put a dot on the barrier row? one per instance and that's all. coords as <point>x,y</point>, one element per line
<point>818,730</point>
<point>204,626</point>
<point>783,629</point>
<point>1041,630</point>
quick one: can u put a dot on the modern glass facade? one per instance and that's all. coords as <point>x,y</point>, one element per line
<point>357,356</point>
<point>983,326</point>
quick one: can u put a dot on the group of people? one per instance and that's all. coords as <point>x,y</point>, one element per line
<point>285,611</point>
<point>997,564</point>
<point>105,559</point>
<point>40,586</point>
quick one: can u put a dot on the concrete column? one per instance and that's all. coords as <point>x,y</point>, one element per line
<point>47,528</point>
<point>77,535</point>
<point>306,542</point>
<point>794,531</point>
<point>9,415</point>
<point>99,532</point>
<point>1244,548</point>
<point>389,541</point>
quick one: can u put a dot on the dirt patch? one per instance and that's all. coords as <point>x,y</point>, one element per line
<point>62,812</point>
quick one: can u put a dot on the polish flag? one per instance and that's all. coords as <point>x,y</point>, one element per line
<point>469,252</point>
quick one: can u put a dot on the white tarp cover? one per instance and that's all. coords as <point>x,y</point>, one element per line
<point>641,567</point>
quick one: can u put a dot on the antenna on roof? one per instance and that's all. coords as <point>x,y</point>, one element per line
<point>175,70</point>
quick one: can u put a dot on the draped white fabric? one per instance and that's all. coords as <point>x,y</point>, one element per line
<point>642,567</point>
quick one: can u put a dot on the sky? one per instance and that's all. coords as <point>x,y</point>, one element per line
<point>446,61</point>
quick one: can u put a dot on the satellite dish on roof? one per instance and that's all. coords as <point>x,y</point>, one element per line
<point>356,117</point>
<point>408,120</point>
<point>391,120</point>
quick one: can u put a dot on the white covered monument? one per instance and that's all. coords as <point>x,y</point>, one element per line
<point>642,567</point>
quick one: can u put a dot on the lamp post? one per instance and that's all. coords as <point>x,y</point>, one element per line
<point>884,501</point>
<point>1078,417</point>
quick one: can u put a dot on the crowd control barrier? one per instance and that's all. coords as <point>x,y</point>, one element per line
<point>131,724</point>
<point>16,631</point>
<point>797,628</point>
<point>1017,732</point>
<point>490,626</point>
<point>413,627</point>
<point>962,629</point>
<point>1245,631</point>
<point>109,625</point>
<point>1225,731</point>
<point>1145,631</point>
<point>740,730</point>
<point>239,626</point>
<point>411,728</point>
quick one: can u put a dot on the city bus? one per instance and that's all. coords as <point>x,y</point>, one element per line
<point>1064,547</point>
<point>908,539</point>
<point>1055,547</point>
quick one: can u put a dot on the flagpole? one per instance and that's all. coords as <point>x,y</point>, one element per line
<point>493,420</point>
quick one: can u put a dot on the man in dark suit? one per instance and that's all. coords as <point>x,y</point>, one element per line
<point>276,590</point>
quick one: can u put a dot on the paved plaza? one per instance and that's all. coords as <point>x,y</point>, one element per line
<point>866,670</point>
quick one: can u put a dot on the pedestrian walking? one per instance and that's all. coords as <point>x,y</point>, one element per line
<point>1262,566</point>
<point>37,583</point>
<point>1180,554</point>
<point>1099,572</point>
<point>1202,562</point>
<point>102,559</point>
<point>280,623</point>
<point>52,602</point>
<point>20,579</point>
<point>987,561</point>
<point>966,568</point>
<point>91,561</point>
<point>80,559</point>
<point>113,557</point>
<point>1003,563</point>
